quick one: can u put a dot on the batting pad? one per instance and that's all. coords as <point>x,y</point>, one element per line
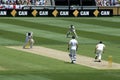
<point>27,45</point>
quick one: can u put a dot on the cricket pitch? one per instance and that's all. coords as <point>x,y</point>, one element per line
<point>60,55</point>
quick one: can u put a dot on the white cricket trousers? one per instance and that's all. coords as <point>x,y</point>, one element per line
<point>72,55</point>
<point>99,54</point>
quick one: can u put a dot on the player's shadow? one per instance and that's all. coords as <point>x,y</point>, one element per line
<point>67,62</point>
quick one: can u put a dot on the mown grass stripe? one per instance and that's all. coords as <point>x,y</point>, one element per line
<point>36,32</point>
<point>99,29</point>
<point>97,36</point>
<point>95,22</point>
<point>87,34</point>
<point>4,41</point>
<point>110,19</point>
<point>21,38</point>
<point>23,77</point>
<point>34,25</point>
<point>79,26</point>
<point>42,33</point>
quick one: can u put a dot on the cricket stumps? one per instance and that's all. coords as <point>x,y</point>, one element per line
<point>109,61</point>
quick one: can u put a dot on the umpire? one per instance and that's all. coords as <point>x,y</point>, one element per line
<point>72,47</point>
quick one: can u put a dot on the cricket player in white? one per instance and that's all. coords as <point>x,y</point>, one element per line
<point>72,47</point>
<point>72,32</point>
<point>98,51</point>
<point>29,39</point>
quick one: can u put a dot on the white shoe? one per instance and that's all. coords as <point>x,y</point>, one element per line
<point>73,62</point>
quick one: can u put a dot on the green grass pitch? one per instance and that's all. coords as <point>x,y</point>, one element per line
<point>50,32</point>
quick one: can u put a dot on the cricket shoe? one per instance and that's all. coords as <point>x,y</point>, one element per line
<point>73,62</point>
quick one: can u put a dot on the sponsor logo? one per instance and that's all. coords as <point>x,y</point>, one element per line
<point>64,13</point>
<point>3,13</point>
<point>84,13</point>
<point>23,13</point>
<point>43,13</point>
<point>106,13</point>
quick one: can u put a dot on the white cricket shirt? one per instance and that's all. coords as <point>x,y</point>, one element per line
<point>100,47</point>
<point>73,44</point>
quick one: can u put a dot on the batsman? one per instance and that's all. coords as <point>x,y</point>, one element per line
<point>29,40</point>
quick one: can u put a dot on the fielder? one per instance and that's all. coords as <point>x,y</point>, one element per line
<point>99,49</point>
<point>72,47</point>
<point>29,40</point>
<point>71,32</point>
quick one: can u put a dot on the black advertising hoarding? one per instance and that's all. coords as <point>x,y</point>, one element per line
<point>56,13</point>
<point>3,13</point>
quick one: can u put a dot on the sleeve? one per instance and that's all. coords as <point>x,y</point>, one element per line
<point>70,42</point>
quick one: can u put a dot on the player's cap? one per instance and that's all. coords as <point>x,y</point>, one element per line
<point>100,42</point>
<point>73,37</point>
<point>29,33</point>
<point>72,26</point>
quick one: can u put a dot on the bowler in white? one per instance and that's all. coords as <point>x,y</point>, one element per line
<point>99,49</point>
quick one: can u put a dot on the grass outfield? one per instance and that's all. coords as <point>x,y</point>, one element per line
<point>50,32</point>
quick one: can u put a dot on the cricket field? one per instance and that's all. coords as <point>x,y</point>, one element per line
<point>51,32</point>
